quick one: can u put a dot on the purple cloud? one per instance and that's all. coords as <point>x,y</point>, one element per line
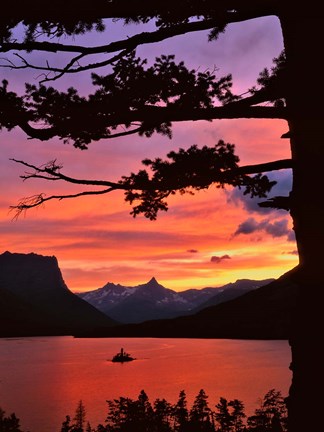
<point>278,228</point>
<point>248,227</point>
<point>192,250</point>
<point>217,259</point>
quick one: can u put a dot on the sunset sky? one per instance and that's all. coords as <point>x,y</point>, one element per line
<point>209,239</point>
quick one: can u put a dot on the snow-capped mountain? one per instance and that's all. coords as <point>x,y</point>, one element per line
<point>153,301</point>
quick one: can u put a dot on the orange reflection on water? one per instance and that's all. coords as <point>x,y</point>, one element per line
<point>42,379</point>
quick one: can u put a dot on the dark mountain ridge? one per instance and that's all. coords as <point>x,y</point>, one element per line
<point>35,299</point>
<point>231,291</point>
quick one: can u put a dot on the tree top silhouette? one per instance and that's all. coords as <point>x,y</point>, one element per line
<point>135,97</point>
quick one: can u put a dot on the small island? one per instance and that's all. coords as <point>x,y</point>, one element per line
<point>122,357</point>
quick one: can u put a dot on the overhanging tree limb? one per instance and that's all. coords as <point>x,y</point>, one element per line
<point>40,199</point>
<point>150,192</point>
<point>125,46</point>
<point>158,115</point>
<point>53,172</point>
<point>61,71</point>
<point>216,17</point>
<point>120,45</point>
<point>153,96</point>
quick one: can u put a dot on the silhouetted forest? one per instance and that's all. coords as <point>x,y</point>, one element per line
<point>140,415</point>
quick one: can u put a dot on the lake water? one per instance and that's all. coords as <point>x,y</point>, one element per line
<point>43,378</point>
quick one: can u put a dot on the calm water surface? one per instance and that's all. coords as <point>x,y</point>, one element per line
<point>43,378</point>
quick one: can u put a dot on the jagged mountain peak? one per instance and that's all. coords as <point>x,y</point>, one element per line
<point>153,286</point>
<point>151,300</point>
<point>152,282</point>
<point>152,279</point>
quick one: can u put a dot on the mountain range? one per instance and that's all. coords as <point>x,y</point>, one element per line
<point>153,301</point>
<point>263,313</point>
<point>34,300</point>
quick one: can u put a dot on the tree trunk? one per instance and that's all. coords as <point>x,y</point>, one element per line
<point>302,32</point>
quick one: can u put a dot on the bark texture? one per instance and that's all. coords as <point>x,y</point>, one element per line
<point>302,32</point>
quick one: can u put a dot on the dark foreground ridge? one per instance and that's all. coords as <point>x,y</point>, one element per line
<point>34,299</point>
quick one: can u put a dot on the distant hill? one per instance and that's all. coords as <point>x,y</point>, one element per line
<point>231,291</point>
<point>153,301</point>
<point>263,313</point>
<point>34,299</point>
